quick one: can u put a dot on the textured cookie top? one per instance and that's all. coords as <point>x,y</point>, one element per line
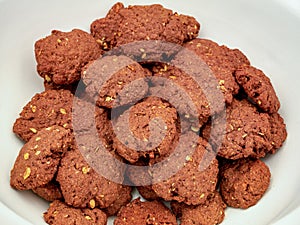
<point>123,199</point>
<point>61,56</point>
<point>81,186</point>
<point>186,94</point>
<point>115,81</point>
<point>208,213</point>
<point>45,109</point>
<point>143,213</point>
<point>50,192</point>
<point>248,133</point>
<point>244,182</point>
<point>222,61</point>
<point>61,214</point>
<point>258,87</point>
<point>194,179</point>
<point>151,129</point>
<point>39,158</point>
<point>134,23</point>
<point>217,56</point>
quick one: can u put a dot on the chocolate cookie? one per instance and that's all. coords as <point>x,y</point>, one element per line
<point>60,214</point>
<point>39,158</point>
<point>146,130</point>
<point>50,192</point>
<point>244,182</point>
<point>209,213</point>
<point>115,81</point>
<point>136,23</point>
<point>123,199</point>
<point>143,213</point>
<point>45,109</point>
<point>248,133</point>
<point>278,131</point>
<point>218,56</point>
<point>81,186</point>
<point>61,56</point>
<point>258,87</point>
<point>222,61</point>
<point>195,172</point>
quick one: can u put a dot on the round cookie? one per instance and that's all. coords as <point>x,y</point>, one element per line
<point>61,56</point>
<point>248,133</point>
<point>151,129</point>
<point>244,182</point>
<point>151,22</point>
<point>50,192</point>
<point>115,81</point>
<point>39,158</point>
<point>209,213</point>
<point>218,56</point>
<point>195,178</point>
<point>81,186</point>
<point>143,213</point>
<point>60,214</point>
<point>52,107</point>
<point>222,61</point>
<point>258,87</point>
<point>278,131</point>
<point>123,199</point>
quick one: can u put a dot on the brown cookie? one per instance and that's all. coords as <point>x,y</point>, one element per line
<point>61,56</point>
<point>50,192</point>
<point>151,129</point>
<point>216,56</point>
<point>143,213</point>
<point>258,87</point>
<point>244,182</point>
<point>121,81</point>
<point>148,193</point>
<point>278,131</point>
<point>195,172</point>
<point>45,109</point>
<point>209,213</point>
<point>185,93</point>
<point>123,199</point>
<point>247,132</point>
<point>222,61</point>
<point>136,23</point>
<point>81,186</point>
<point>39,158</point>
<point>60,214</point>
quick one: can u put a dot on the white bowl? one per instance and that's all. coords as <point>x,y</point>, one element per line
<point>268,32</point>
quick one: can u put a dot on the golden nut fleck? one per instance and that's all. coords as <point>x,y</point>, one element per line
<point>172,77</point>
<point>58,40</point>
<point>65,125</point>
<point>108,99</point>
<point>33,130</point>
<point>188,158</point>
<point>63,111</point>
<point>202,196</point>
<point>37,152</point>
<point>92,203</point>
<point>259,102</point>
<point>195,129</point>
<point>48,128</point>
<point>244,135</point>
<point>85,170</point>
<point>221,82</point>
<point>120,82</point>
<point>33,108</point>
<point>88,217</point>
<point>27,173</point>
<point>26,156</point>
<point>38,138</point>
<point>47,78</point>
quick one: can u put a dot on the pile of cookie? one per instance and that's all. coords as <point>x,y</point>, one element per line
<point>53,162</point>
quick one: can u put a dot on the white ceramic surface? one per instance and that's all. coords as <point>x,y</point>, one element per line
<point>266,31</point>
